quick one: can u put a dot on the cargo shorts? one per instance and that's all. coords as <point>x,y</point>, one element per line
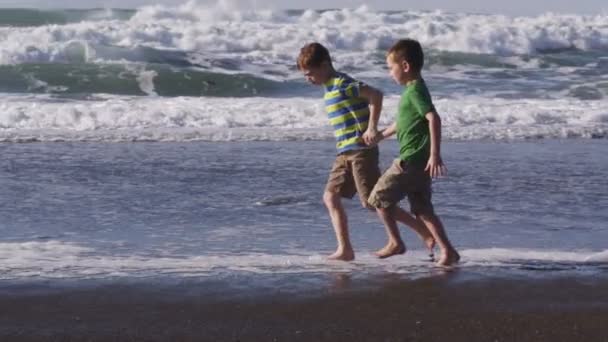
<point>354,172</point>
<point>403,179</point>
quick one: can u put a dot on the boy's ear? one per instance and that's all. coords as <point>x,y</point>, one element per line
<point>405,66</point>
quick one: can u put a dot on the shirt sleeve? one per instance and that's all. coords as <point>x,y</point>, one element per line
<point>421,100</point>
<point>353,89</point>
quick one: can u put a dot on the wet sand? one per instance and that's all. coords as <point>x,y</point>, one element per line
<point>465,307</point>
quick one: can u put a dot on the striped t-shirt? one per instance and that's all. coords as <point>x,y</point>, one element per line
<point>348,112</point>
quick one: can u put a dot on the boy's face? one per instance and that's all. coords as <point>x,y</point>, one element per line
<point>398,68</point>
<point>317,75</point>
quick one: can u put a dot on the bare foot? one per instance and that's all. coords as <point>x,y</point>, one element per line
<point>343,255</point>
<point>390,250</point>
<point>449,258</point>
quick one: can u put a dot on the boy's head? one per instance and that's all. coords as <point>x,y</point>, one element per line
<point>315,63</point>
<point>405,60</point>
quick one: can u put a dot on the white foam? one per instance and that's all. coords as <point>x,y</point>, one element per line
<point>56,259</point>
<point>125,118</point>
<point>145,79</point>
<point>268,37</point>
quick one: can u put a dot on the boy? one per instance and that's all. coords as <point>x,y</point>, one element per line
<point>353,109</point>
<point>418,129</point>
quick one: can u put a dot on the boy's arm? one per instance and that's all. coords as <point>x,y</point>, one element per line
<point>435,165</point>
<point>387,132</point>
<point>374,98</point>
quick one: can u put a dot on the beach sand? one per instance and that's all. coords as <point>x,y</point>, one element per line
<point>453,307</point>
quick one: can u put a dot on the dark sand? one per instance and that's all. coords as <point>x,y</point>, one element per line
<point>461,307</point>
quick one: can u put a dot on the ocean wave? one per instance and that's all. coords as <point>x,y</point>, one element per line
<point>131,79</point>
<point>489,77</point>
<point>124,118</point>
<point>22,17</point>
<point>266,37</point>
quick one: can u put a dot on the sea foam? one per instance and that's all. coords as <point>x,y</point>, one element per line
<point>58,260</point>
<point>125,118</point>
<point>274,37</point>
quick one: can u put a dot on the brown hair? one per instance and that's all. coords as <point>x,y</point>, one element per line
<point>410,50</point>
<point>313,55</point>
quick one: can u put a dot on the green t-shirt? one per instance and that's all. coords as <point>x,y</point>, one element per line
<point>412,126</point>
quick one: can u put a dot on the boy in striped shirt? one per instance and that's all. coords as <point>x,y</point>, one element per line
<point>353,109</point>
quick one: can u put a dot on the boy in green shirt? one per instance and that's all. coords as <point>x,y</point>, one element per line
<point>418,129</point>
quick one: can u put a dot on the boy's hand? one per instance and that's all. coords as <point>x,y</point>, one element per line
<point>371,136</point>
<point>436,167</point>
<point>381,135</point>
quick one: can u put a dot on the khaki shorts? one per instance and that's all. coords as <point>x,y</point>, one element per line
<point>401,180</point>
<point>355,172</point>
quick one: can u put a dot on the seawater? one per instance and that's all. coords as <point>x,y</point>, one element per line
<point>181,141</point>
<point>217,72</point>
<point>200,209</point>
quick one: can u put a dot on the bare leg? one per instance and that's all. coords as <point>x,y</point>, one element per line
<point>395,244</point>
<point>340,223</point>
<point>449,254</point>
<point>418,226</point>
